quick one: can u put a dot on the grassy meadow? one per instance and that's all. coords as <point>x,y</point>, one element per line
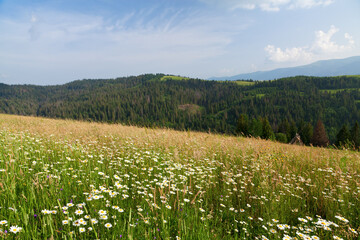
<point>62,179</point>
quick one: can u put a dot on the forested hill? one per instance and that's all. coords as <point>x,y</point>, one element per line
<point>166,101</point>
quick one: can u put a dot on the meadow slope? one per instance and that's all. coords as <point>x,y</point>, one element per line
<point>64,179</point>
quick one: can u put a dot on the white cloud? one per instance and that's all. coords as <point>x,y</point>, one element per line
<point>309,3</point>
<point>288,55</point>
<point>323,42</point>
<point>322,46</point>
<point>268,5</point>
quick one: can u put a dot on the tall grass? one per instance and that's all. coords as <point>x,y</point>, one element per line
<point>75,180</point>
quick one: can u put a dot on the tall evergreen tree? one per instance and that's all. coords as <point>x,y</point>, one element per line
<point>320,138</point>
<point>292,131</point>
<point>256,128</point>
<point>243,125</point>
<point>306,133</point>
<point>355,135</point>
<point>343,137</point>
<point>284,127</point>
<point>267,132</point>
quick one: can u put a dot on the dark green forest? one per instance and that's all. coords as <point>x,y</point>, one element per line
<point>294,104</point>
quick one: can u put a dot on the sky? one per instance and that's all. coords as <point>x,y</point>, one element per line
<point>55,42</point>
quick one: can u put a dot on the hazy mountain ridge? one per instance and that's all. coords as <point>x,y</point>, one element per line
<point>323,68</point>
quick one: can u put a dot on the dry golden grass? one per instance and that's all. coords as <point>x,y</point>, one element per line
<point>191,144</point>
<point>270,180</point>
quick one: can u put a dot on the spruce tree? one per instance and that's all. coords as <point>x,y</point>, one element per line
<point>243,125</point>
<point>320,138</point>
<point>343,137</point>
<point>306,133</point>
<point>292,131</point>
<point>355,135</point>
<point>267,132</point>
<point>256,128</point>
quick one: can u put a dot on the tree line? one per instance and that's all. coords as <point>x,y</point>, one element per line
<point>309,135</point>
<point>152,100</point>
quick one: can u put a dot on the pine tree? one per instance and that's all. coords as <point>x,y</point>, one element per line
<point>292,131</point>
<point>306,133</point>
<point>256,128</point>
<point>267,132</point>
<point>355,135</point>
<point>243,125</point>
<point>320,138</point>
<point>343,137</point>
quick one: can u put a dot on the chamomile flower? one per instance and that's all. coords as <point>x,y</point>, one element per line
<point>94,221</point>
<point>108,225</point>
<point>79,212</point>
<point>3,222</point>
<point>65,222</point>
<point>15,229</point>
<point>102,212</point>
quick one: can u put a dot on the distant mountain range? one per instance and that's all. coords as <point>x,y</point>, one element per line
<point>334,67</point>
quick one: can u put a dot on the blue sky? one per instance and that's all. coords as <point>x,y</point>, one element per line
<point>54,42</point>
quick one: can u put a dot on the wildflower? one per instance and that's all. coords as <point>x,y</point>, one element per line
<point>272,230</point>
<point>108,225</point>
<point>15,229</point>
<point>353,230</point>
<point>79,212</point>
<point>94,221</point>
<point>82,221</point>
<point>76,223</point>
<point>102,212</point>
<point>168,206</point>
<point>337,238</point>
<point>3,222</point>
<point>342,219</point>
<point>103,217</point>
<point>81,230</point>
<point>121,210</point>
<point>64,222</point>
<point>281,227</point>
<point>303,220</point>
<point>45,211</point>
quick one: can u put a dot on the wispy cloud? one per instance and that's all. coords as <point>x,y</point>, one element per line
<point>268,5</point>
<point>137,41</point>
<point>322,46</point>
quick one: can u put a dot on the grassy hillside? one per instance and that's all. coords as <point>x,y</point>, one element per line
<point>74,180</point>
